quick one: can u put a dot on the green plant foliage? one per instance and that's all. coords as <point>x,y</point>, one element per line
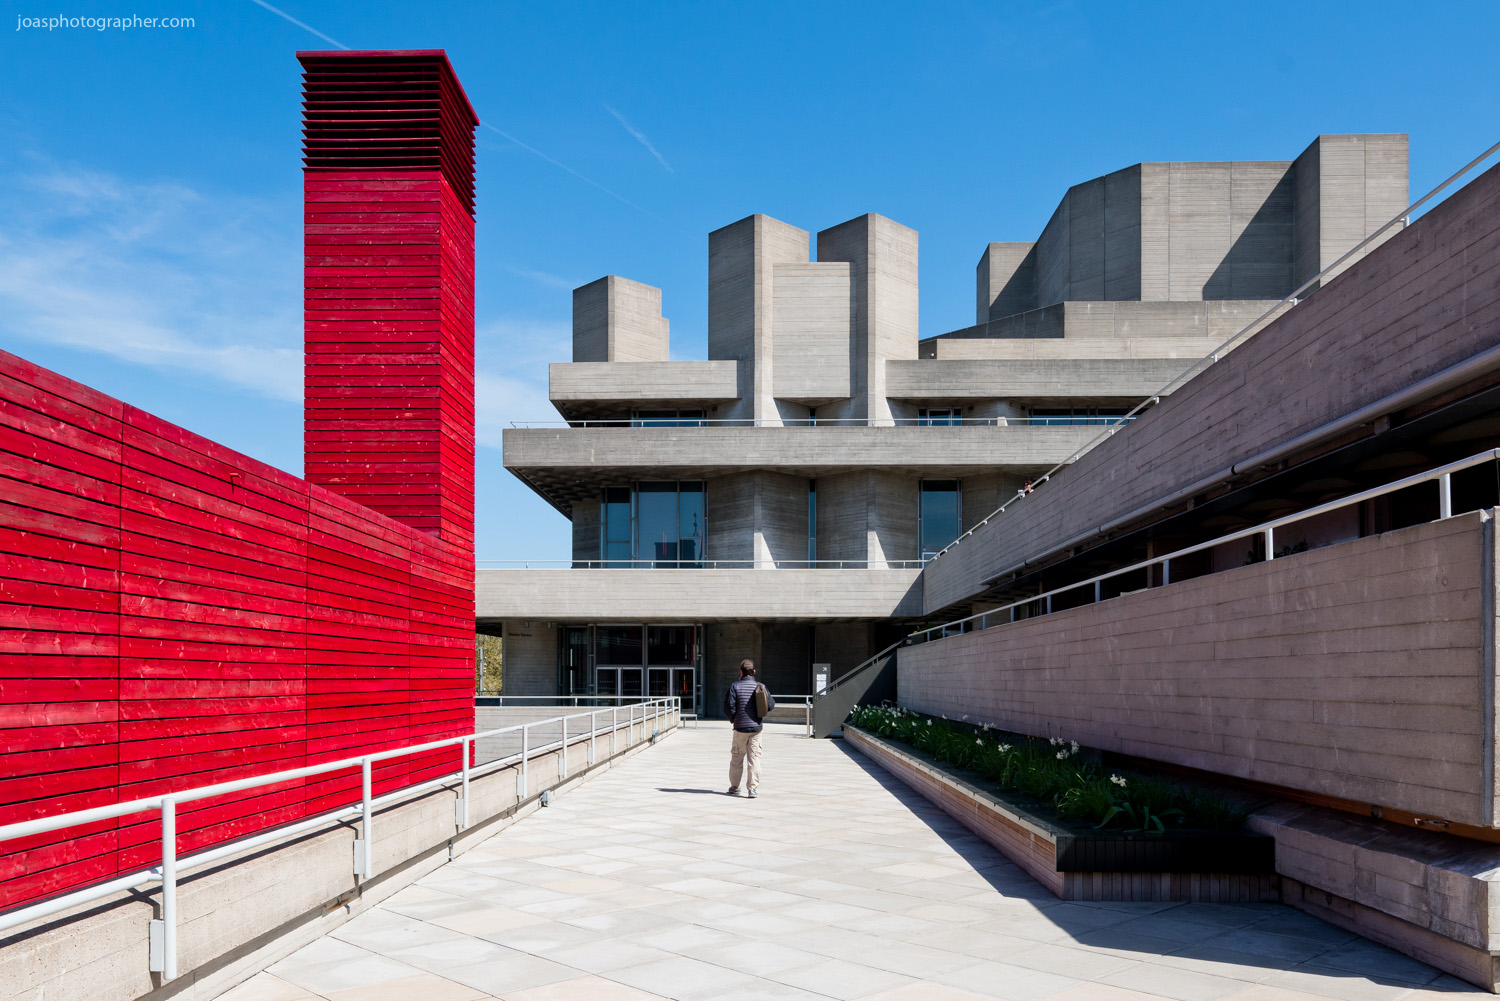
<point>1056,774</point>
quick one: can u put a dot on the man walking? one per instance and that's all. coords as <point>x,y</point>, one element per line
<point>746,703</point>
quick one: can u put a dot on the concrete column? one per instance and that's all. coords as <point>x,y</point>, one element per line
<point>882,255</point>
<point>725,644</point>
<point>585,531</point>
<point>759,516</point>
<point>741,263</point>
<point>867,516</point>
<point>1005,281</point>
<point>1346,187</point>
<point>616,319</point>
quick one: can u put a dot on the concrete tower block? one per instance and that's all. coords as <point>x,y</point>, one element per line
<point>882,254</point>
<point>1347,186</point>
<point>1005,281</point>
<point>741,262</point>
<point>812,312</point>
<point>616,319</point>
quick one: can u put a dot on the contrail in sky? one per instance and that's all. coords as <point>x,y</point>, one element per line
<point>305,27</point>
<point>640,137</point>
<point>530,149</point>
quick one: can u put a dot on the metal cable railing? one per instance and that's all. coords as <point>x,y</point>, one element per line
<point>1442,475</point>
<point>1213,356</point>
<point>826,422</point>
<point>163,934</point>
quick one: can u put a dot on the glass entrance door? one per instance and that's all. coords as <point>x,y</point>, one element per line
<point>623,681</point>
<point>630,682</point>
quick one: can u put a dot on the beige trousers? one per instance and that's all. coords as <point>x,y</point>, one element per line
<point>745,752</point>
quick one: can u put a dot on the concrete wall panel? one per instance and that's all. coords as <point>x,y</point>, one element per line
<point>813,319</point>
<point>1352,671</point>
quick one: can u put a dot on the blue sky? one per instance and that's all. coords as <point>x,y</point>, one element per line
<point>150,226</point>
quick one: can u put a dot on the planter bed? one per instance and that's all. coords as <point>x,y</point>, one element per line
<point>1085,864</point>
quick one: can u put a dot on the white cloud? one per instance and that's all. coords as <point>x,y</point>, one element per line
<point>519,393</point>
<point>155,274</point>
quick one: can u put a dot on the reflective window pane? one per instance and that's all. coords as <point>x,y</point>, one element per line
<point>940,514</point>
<point>656,522</point>
<point>617,645</point>
<point>671,645</point>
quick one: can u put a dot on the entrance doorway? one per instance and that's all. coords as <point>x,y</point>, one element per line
<point>656,661</point>
<point>624,681</point>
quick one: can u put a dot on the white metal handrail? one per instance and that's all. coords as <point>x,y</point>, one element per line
<point>163,952</point>
<point>678,423</point>
<point>1442,475</point>
<point>690,564</point>
<point>1213,356</point>
<point>807,704</point>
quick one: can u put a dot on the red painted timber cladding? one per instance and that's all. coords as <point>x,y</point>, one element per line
<point>174,614</point>
<point>389,286</point>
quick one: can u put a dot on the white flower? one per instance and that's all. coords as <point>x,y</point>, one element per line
<point>1117,780</point>
<point>985,728</point>
<point>1062,755</point>
<point>1074,745</point>
<point>966,716</point>
<point>979,741</point>
<point>929,722</point>
<point>1054,741</point>
<point>1004,748</point>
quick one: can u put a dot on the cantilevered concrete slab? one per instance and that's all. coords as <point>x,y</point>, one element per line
<point>571,464</point>
<point>702,594</point>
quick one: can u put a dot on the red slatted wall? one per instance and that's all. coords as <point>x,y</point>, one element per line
<point>173,613</point>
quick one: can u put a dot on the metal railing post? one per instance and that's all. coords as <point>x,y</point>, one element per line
<point>562,760</point>
<point>614,728</point>
<point>1166,572</point>
<point>1270,544</point>
<point>525,747</point>
<point>463,818</point>
<point>593,740</point>
<point>169,888</point>
<point>1445,495</point>
<point>366,815</point>
<point>808,706</point>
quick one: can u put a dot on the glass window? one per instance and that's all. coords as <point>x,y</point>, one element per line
<point>615,531</point>
<point>690,523</point>
<point>812,522</point>
<point>671,646</point>
<point>656,522</point>
<point>617,645</point>
<point>940,514</point>
<point>1076,415</point>
<point>666,418</point>
<point>939,416</point>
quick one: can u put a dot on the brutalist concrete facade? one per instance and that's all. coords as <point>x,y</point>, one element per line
<point>821,427</point>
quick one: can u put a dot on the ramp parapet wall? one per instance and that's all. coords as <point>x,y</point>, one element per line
<point>177,614</point>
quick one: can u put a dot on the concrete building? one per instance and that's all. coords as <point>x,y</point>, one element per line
<point>778,499</point>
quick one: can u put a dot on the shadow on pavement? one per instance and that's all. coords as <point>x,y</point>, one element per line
<point>1268,936</point>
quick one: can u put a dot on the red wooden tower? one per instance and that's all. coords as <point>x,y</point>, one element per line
<point>388,183</point>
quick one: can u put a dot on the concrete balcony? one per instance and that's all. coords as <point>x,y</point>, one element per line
<point>585,389</point>
<point>696,595</point>
<point>569,464</point>
<point>1030,379</point>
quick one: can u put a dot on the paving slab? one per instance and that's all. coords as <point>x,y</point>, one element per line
<point>836,882</point>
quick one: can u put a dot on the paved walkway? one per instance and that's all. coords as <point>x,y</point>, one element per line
<point>837,882</point>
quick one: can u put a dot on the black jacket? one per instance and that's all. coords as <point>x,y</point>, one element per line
<point>739,705</point>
